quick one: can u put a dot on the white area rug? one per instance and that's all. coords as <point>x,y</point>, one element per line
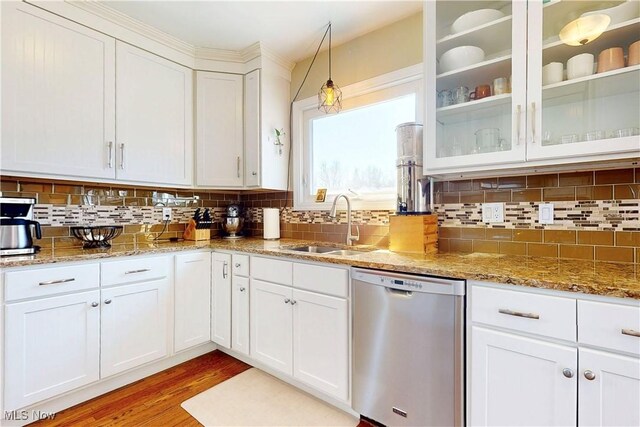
<point>254,398</point>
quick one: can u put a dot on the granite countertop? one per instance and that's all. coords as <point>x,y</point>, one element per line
<point>589,277</point>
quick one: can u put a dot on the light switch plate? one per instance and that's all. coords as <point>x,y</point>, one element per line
<point>492,212</point>
<point>545,213</point>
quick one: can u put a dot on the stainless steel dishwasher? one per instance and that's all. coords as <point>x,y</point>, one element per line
<point>408,348</point>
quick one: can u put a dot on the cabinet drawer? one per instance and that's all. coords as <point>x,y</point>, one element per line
<point>612,326</point>
<point>272,270</point>
<point>326,280</point>
<point>51,281</point>
<point>134,270</point>
<point>527,312</point>
<point>240,265</point>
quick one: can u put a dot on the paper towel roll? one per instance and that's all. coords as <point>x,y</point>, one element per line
<point>271,222</point>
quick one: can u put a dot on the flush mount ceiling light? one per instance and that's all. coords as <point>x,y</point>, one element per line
<point>330,95</point>
<point>584,29</point>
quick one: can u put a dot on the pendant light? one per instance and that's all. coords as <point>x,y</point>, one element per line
<point>330,95</point>
<point>584,29</point>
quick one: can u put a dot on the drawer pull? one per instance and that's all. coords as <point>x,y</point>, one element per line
<point>237,265</point>
<point>192,261</point>
<point>94,304</point>
<point>55,282</point>
<point>567,373</point>
<point>589,375</point>
<point>630,332</point>
<point>242,289</point>
<point>144,270</point>
<point>518,313</point>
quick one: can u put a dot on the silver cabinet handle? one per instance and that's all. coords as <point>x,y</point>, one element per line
<point>238,166</point>
<point>242,289</point>
<point>192,261</point>
<point>144,270</point>
<point>110,145</point>
<point>533,122</point>
<point>95,304</point>
<point>518,313</point>
<point>254,173</point>
<point>293,302</point>
<point>567,373</point>
<point>630,332</point>
<point>589,375</point>
<point>237,265</point>
<point>55,282</point>
<point>518,116</point>
<point>107,301</point>
<point>122,156</point>
<point>224,270</point>
<point>287,300</point>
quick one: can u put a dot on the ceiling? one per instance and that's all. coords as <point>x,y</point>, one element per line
<point>291,29</point>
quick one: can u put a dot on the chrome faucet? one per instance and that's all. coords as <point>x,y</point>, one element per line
<point>350,237</point>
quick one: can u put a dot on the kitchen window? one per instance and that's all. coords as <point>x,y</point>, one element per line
<point>354,151</point>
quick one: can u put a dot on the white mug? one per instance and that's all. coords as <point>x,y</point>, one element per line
<point>552,73</point>
<point>580,66</point>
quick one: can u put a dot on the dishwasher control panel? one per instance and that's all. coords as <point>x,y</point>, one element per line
<point>410,283</point>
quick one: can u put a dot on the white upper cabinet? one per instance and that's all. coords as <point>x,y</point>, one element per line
<point>154,118</point>
<point>266,100</point>
<point>219,133</point>
<point>560,117</point>
<point>58,96</point>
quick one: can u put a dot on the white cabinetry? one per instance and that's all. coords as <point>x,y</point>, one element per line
<point>154,118</point>
<point>58,95</point>
<point>519,381</point>
<point>134,325</point>
<point>528,367</point>
<point>52,345</point>
<point>240,304</point>
<point>536,123</point>
<point>221,299</point>
<point>192,323</point>
<point>266,100</point>
<point>219,136</point>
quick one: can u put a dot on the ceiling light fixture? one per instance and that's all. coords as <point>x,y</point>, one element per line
<point>330,95</point>
<point>584,29</point>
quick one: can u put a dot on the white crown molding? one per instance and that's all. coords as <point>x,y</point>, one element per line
<point>243,56</point>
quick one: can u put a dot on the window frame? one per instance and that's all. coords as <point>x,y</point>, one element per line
<point>405,81</point>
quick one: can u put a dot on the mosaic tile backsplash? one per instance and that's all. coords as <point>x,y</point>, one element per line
<point>596,213</point>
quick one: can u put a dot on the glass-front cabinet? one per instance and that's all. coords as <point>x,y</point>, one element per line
<point>503,90</point>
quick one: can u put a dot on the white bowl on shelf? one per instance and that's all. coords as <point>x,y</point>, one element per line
<point>460,57</point>
<point>621,13</point>
<point>475,18</point>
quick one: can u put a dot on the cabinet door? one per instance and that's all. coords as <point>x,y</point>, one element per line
<point>252,129</point>
<point>320,342</point>
<point>58,95</point>
<point>463,133</point>
<point>192,300</point>
<point>154,118</point>
<point>134,325</point>
<point>240,315</point>
<point>219,130</point>
<point>271,325</point>
<point>52,346</point>
<point>612,396</point>
<point>590,111</point>
<point>221,300</point>
<point>519,381</point>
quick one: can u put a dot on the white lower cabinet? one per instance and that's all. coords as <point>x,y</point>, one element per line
<point>192,295</point>
<point>609,389</point>
<point>271,325</point>
<point>52,345</point>
<point>134,325</point>
<point>321,342</point>
<point>221,299</point>
<point>240,315</point>
<point>519,381</point>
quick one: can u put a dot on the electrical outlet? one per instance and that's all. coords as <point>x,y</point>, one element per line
<point>545,213</point>
<point>492,212</point>
<point>167,214</point>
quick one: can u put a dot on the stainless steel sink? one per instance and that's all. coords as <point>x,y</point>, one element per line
<point>326,250</point>
<point>313,249</point>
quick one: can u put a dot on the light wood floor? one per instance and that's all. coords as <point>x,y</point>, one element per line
<point>155,401</point>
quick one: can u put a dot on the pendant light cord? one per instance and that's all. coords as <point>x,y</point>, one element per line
<point>295,98</point>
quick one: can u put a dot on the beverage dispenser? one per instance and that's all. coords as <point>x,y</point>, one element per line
<point>414,189</point>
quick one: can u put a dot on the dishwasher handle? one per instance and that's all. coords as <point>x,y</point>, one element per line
<point>399,293</point>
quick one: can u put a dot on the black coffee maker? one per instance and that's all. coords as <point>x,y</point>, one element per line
<point>16,223</point>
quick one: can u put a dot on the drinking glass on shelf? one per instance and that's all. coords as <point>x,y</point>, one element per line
<point>570,138</point>
<point>546,138</point>
<point>445,97</point>
<point>500,86</point>
<point>594,135</point>
<point>461,95</point>
<point>621,133</point>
